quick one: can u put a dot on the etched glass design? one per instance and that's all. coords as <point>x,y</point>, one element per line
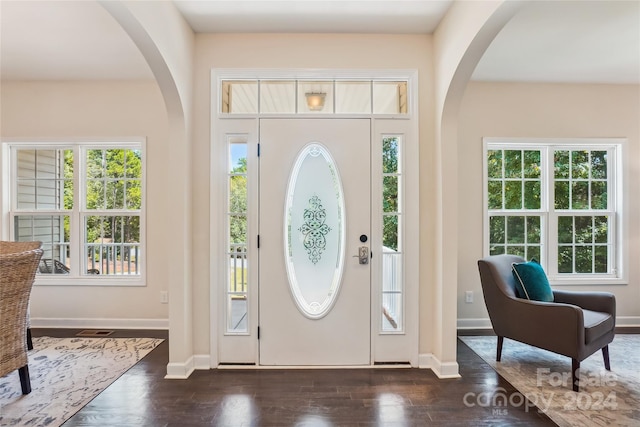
<point>314,231</point>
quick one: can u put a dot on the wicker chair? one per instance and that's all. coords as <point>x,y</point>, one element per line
<point>13,247</point>
<point>17,273</point>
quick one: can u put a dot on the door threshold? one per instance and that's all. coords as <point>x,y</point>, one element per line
<point>300,367</point>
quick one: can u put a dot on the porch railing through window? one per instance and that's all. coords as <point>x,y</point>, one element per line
<point>392,231</point>
<point>83,204</point>
<point>238,265</point>
<point>55,258</point>
<point>237,293</point>
<point>48,229</point>
<point>392,299</point>
<point>238,268</point>
<point>113,258</point>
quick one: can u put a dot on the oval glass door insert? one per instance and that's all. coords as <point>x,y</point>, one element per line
<point>314,231</point>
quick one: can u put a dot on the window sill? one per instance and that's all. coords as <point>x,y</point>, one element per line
<point>602,281</point>
<point>107,281</point>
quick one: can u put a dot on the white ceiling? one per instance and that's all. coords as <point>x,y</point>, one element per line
<point>65,40</point>
<point>314,16</point>
<point>567,41</point>
<point>550,41</point>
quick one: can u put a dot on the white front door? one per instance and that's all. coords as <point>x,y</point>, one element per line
<point>311,238</point>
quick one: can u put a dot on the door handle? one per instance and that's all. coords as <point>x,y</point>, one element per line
<point>363,255</point>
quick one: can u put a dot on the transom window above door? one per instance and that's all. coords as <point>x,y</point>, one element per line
<point>384,97</point>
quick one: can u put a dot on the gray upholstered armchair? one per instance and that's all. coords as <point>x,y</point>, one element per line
<point>575,324</point>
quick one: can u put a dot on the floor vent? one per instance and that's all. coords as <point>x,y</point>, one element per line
<point>94,333</point>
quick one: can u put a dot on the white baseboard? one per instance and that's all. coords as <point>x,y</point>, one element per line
<point>480,323</point>
<point>442,370</point>
<point>485,323</point>
<point>40,322</point>
<point>180,371</point>
<point>630,321</point>
<point>425,361</point>
<point>202,361</point>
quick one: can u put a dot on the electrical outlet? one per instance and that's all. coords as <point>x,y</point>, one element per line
<point>164,297</point>
<point>468,297</point>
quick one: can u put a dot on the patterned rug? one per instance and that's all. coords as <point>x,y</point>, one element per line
<point>606,398</point>
<point>66,373</point>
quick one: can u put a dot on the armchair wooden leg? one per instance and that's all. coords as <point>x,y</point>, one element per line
<point>25,381</point>
<point>605,356</point>
<point>29,340</point>
<point>499,350</point>
<point>575,371</point>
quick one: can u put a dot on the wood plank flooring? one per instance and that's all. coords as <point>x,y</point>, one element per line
<point>331,397</point>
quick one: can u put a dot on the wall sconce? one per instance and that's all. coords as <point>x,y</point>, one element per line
<point>315,100</point>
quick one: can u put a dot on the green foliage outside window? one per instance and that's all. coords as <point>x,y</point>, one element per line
<point>111,185</point>
<point>514,183</point>
<point>68,191</point>
<point>238,202</point>
<point>390,192</point>
<point>113,181</point>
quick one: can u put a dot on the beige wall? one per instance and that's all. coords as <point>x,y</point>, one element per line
<point>459,42</point>
<point>101,110</point>
<point>544,111</point>
<point>166,42</point>
<point>288,51</point>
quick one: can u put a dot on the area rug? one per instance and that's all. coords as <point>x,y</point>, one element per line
<point>606,398</point>
<point>66,373</point>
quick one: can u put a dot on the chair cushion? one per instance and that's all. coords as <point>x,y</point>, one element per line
<point>531,281</point>
<point>596,324</point>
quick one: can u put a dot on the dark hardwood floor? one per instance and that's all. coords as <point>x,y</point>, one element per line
<point>324,397</point>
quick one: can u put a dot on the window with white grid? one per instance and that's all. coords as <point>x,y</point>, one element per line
<point>558,202</point>
<point>84,202</point>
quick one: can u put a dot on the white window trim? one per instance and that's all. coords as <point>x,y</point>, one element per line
<point>251,177</point>
<point>8,202</point>
<point>620,217</point>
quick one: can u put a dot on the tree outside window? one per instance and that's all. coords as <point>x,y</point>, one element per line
<point>108,217</point>
<point>552,200</point>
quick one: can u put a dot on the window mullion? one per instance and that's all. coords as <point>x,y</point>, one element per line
<point>548,220</point>
<point>550,229</point>
<point>522,186</point>
<point>612,242</point>
<point>76,220</point>
<point>593,235</point>
<point>504,186</point>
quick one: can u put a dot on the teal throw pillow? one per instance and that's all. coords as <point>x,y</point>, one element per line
<point>531,281</point>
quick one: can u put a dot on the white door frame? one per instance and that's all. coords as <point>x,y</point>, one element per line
<point>389,347</point>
